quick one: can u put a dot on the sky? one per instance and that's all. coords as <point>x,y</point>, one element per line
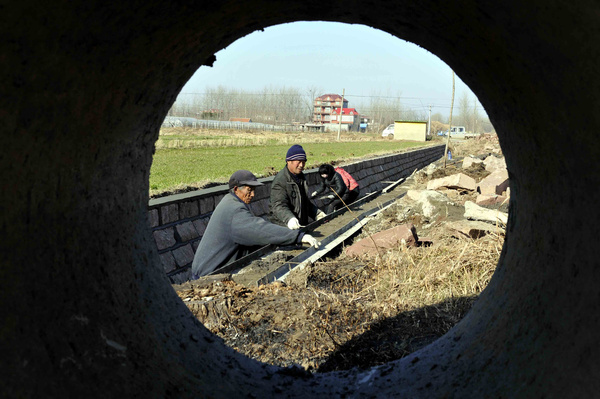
<point>333,57</point>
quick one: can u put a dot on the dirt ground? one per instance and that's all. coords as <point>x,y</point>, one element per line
<point>344,312</point>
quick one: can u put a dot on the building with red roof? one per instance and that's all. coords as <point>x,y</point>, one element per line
<point>324,105</point>
<point>350,118</point>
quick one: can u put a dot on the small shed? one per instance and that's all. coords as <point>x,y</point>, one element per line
<point>410,130</point>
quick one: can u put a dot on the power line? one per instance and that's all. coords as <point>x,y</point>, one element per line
<point>229,94</point>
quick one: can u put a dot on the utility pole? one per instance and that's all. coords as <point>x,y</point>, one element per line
<point>341,113</point>
<point>449,122</point>
<point>429,124</point>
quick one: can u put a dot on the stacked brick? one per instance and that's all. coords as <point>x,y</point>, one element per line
<point>179,221</point>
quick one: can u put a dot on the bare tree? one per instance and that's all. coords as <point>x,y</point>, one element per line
<point>311,92</point>
<point>464,111</point>
<point>438,117</point>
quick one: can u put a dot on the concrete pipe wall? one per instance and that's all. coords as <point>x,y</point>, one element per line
<point>85,86</point>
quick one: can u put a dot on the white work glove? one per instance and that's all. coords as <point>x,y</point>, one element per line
<point>293,224</point>
<point>310,240</point>
<point>331,196</point>
<point>313,195</point>
<point>320,215</point>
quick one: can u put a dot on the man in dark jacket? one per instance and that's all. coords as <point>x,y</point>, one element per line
<point>233,228</point>
<point>290,205</point>
<point>333,186</point>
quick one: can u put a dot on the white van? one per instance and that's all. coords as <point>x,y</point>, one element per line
<point>388,131</point>
<point>458,130</point>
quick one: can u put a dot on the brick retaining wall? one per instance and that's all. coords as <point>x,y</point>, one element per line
<point>178,221</point>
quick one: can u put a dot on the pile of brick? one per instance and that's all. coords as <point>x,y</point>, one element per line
<point>434,206</point>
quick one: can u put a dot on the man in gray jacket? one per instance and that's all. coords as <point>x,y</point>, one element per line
<point>290,205</point>
<point>233,228</point>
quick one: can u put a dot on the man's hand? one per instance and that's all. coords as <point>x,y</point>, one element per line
<point>331,196</point>
<point>310,240</point>
<point>293,224</point>
<point>313,195</point>
<point>320,215</point>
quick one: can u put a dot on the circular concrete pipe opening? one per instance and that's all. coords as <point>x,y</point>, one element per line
<point>87,308</point>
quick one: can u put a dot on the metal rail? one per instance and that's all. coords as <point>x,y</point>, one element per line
<point>315,254</point>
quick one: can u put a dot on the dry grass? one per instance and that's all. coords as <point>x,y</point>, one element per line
<point>186,137</point>
<point>416,277</point>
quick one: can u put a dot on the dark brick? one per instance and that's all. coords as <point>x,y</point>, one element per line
<point>195,245</point>
<point>352,168</point>
<point>207,204</point>
<point>200,225</point>
<point>169,213</point>
<point>186,232</point>
<point>153,218</point>
<point>182,277</point>
<point>256,208</point>
<point>183,255</point>
<point>261,192</point>
<point>313,179</point>
<point>218,199</point>
<point>164,238</point>
<point>168,262</point>
<point>188,209</point>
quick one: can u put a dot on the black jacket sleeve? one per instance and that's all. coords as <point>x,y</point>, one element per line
<point>338,184</point>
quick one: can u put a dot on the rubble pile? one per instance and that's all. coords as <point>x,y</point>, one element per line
<point>467,198</point>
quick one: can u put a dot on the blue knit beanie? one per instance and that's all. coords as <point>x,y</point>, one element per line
<point>296,153</point>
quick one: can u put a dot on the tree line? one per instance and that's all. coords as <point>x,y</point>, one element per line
<point>288,105</point>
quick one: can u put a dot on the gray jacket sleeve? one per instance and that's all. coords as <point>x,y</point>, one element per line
<point>247,229</point>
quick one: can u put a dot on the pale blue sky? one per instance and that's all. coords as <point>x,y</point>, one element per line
<point>333,56</point>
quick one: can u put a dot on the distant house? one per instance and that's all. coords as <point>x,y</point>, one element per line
<point>240,120</point>
<point>349,116</point>
<point>325,105</point>
<point>213,113</point>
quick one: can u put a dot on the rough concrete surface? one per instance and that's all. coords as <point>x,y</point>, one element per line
<point>85,88</point>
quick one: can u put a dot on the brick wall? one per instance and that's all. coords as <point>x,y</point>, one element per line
<point>178,221</point>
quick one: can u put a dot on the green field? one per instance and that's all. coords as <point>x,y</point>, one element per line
<point>175,169</point>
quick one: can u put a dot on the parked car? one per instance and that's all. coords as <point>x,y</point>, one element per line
<point>388,131</point>
<point>458,130</point>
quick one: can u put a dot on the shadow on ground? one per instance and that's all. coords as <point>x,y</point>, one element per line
<point>396,337</point>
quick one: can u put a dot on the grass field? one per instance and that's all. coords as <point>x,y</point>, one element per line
<point>195,159</point>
